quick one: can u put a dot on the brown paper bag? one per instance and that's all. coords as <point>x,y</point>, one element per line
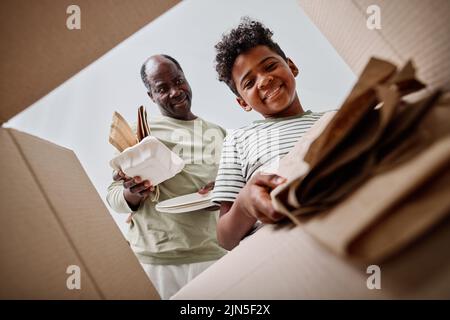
<point>121,136</point>
<point>333,157</point>
<point>384,177</point>
<point>143,129</point>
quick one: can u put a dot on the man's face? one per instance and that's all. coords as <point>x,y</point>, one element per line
<point>265,81</point>
<point>169,88</point>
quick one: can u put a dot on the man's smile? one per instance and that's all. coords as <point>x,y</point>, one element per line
<point>180,102</point>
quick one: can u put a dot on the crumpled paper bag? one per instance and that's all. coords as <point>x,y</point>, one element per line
<point>375,163</point>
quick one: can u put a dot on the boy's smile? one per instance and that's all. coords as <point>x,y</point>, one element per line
<point>265,82</point>
<point>273,93</point>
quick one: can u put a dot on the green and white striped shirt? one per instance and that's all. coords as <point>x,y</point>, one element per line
<point>248,149</point>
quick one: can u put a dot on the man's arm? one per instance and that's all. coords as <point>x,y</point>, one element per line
<point>253,203</point>
<point>135,190</point>
<point>127,193</point>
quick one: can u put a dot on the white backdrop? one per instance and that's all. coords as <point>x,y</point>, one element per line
<point>78,113</point>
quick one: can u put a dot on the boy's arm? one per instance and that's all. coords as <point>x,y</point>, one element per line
<point>232,225</point>
<point>253,203</point>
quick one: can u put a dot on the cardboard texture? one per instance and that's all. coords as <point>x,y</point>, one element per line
<point>52,217</point>
<point>285,262</point>
<point>37,43</point>
<point>409,29</point>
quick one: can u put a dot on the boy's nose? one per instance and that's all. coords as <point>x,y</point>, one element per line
<point>264,82</point>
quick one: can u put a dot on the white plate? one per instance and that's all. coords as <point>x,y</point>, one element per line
<point>185,208</point>
<point>188,199</point>
<point>150,159</point>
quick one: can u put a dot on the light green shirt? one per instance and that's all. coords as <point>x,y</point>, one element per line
<point>177,238</point>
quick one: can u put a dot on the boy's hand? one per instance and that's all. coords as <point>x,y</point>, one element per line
<point>254,199</point>
<point>135,190</point>
<point>204,190</point>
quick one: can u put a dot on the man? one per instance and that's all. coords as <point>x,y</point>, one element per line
<point>172,248</point>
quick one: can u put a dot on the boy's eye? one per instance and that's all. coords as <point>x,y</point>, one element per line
<point>271,66</point>
<point>248,84</point>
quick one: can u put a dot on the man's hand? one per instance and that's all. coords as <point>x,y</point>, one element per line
<point>135,190</point>
<point>207,188</point>
<point>254,199</point>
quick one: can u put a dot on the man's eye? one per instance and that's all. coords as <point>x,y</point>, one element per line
<point>180,81</point>
<point>161,90</point>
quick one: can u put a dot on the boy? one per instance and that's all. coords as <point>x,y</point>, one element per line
<point>263,79</point>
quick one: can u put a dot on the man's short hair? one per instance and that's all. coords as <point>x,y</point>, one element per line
<point>247,35</point>
<point>144,70</point>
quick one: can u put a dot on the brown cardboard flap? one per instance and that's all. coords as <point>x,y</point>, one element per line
<point>35,252</point>
<point>410,29</point>
<point>421,211</point>
<point>74,210</point>
<point>38,52</point>
<point>285,262</point>
<point>353,225</point>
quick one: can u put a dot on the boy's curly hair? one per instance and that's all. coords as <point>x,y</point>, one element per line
<point>247,35</point>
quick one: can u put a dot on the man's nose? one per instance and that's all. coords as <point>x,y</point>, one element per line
<point>175,92</point>
<point>264,81</point>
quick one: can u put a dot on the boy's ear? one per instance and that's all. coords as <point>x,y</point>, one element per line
<point>243,104</point>
<point>293,67</point>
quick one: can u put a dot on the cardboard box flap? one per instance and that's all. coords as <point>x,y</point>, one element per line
<point>35,252</point>
<point>75,210</point>
<point>39,52</point>
<point>284,262</point>
<point>407,29</point>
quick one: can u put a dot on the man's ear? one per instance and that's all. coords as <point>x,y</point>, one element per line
<point>150,95</point>
<point>293,67</point>
<point>243,104</point>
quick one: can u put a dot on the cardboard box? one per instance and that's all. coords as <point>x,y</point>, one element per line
<point>407,29</point>
<point>55,228</point>
<point>53,218</point>
<point>283,262</point>
<point>37,43</point>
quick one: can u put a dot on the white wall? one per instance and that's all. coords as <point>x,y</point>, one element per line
<point>77,114</point>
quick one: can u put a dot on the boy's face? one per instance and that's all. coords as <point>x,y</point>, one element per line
<point>265,82</point>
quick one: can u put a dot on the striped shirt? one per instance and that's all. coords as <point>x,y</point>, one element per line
<point>256,146</point>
